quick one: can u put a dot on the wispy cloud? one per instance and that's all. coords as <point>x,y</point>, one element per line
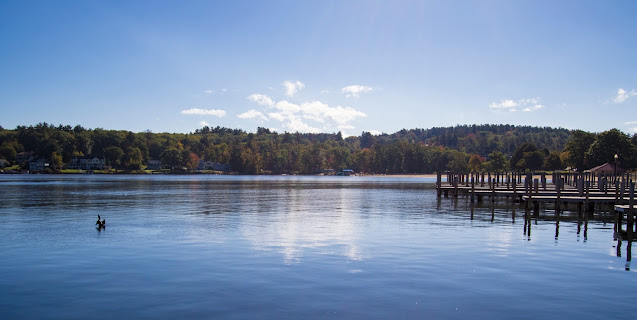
<point>503,104</point>
<point>533,108</point>
<point>252,114</point>
<point>526,105</point>
<point>261,99</point>
<point>204,112</point>
<point>204,123</point>
<point>292,87</point>
<point>631,123</point>
<point>623,95</point>
<point>209,91</point>
<point>354,91</point>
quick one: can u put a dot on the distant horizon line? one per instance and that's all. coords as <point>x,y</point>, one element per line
<point>372,132</point>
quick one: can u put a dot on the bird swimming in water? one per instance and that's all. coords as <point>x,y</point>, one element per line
<point>100,224</point>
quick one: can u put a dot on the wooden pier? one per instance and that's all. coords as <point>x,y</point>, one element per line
<point>588,192</point>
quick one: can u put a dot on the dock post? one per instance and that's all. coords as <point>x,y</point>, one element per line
<point>473,190</point>
<point>558,189</point>
<point>543,181</point>
<point>621,189</point>
<point>438,184</point>
<point>492,193</point>
<point>507,180</point>
<point>629,213</point>
<point>455,186</point>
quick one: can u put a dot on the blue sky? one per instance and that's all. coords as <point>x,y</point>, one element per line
<point>318,66</point>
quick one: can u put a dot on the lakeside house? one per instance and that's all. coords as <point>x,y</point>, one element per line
<point>212,165</point>
<point>345,172</point>
<point>38,164</point>
<point>154,164</point>
<point>329,172</point>
<point>606,168</point>
<point>88,162</point>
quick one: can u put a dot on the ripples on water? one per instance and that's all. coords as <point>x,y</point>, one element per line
<point>292,247</point>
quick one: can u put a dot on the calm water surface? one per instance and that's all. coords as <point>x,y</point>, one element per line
<point>294,247</point>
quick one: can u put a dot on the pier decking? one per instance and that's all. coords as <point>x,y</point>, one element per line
<point>590,193</point>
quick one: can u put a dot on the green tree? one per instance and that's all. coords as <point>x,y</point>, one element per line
<point>457,161</point>
<point>553,161</point>
<point>171,157</point>
<point>8,152</point>
<point>609,143</point>
<point>132,158</point>
<point>577,147</point>
<point>475,163</point>
<point>56,161</point>
<point>114,156</point>
<point>497,161</point>
<point>532,160</point>
<point>517,162</point>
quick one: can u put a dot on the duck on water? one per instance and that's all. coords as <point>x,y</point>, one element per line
<point>100,224</point>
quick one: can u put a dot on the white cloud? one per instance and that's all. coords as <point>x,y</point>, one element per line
<point>277,116</point>
<point>533,108</point>
<point>261,99</point>
<point>503,104</point>
<point>292,87</point>
<point>209,91</point>
<point>346,127</point>
<point>296,124</point>
<point>287,107</point>
<point>204,112</point>
<point>354,91</point>
<point>527,105</point>
<point>252,114</point>
<point>204,123</point>
<point>337,114</point>
<point>295,117</point>
<point>633,129</point>
<point>524,102</point>
<point>623,95</point>
<point>631,122</point>
<point>375,132</point>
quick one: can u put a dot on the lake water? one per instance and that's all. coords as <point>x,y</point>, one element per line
<point>294,247</point>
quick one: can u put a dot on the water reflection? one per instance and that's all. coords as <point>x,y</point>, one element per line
<point>307,220</point>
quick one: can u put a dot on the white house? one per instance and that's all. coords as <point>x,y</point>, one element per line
<point>88,162</point>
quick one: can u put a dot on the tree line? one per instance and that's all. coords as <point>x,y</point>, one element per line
<point>459,148</point>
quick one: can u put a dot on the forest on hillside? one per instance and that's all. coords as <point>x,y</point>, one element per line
<point>459,148</point>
